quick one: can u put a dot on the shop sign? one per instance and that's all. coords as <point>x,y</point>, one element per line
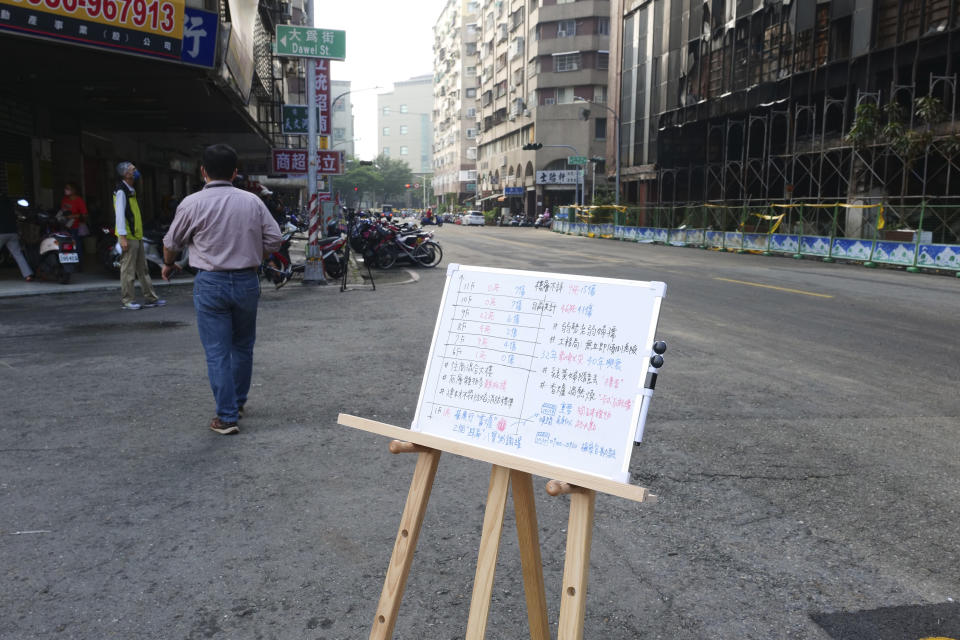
<point>148,27</point>
<point>558,177</point>
<point>513,191</point>
<point>294,161</point>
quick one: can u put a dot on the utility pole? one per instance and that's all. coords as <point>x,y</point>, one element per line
<point>313,269</point>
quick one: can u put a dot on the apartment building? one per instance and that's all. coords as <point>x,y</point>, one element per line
<point>405,124</point>
<point>541,63</point>
<point>342,132</point>
<point>455,103</point>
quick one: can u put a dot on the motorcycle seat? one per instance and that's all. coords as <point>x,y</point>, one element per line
<point>328,240</point>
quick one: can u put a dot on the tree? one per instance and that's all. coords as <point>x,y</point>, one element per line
<point>396,175</point>
<point>359,180</point>
<point>381,180</point>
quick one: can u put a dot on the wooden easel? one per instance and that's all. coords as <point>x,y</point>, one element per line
<point>507,471</point>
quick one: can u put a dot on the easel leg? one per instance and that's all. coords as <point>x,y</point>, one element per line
<point>406,544</point>
<point>529,541</point>
<point>487,557</point>
<point>576,567</point>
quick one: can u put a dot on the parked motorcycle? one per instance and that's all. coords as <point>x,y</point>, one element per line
<point>109,252</point>
<point>57,257</point>
<point>278,269</point>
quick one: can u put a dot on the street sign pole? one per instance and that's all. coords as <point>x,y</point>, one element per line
<point>313,269</point>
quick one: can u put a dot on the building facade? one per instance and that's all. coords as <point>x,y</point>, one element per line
<point>405,124</point>
<point>540,65</point>
<point>154,92</point>
<point>455,103</point>
<point>762,101</point>
<point>342,132</point>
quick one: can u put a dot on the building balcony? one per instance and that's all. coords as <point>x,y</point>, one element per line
<point>552,79</point>
<point>571,11</point>
<point>549,46</point>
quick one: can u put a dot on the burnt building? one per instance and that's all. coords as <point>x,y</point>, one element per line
<point>761,101</point>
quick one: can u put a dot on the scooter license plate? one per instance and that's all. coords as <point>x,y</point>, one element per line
<point>69,257</point>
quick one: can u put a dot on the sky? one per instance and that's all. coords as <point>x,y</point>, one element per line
<point>387,42</point>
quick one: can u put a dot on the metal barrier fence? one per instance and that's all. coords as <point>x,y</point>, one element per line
<point>911,234</point>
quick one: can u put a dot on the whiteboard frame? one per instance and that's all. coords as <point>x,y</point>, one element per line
<point>659,290</point>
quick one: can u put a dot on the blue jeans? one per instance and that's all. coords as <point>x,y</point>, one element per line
<point>226,304</point>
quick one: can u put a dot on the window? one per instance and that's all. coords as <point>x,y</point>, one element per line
<point>404,151</point>
<point>472,71</point>
<point>471,92</point>
<point>603,60</point>
<point>386,151</point>
<point>566,28</point>
<point>564,95</point>
<point>340,106</point>
<point>603,26</point>
<point>566,62</point>
<point>386,111</point>
<point>339,133</point>
<point>403,108</point>
<point>471,153</point>
<point>386,131</point>
<point>565,1</point>
<point>600,94</point>
<point>471,134</point>
<point>600,129</point>
<point>472,112</point>
<point>403,129</point>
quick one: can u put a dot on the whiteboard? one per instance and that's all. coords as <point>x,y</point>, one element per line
<point>545,366</point>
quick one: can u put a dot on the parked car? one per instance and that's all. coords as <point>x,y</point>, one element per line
<point>474,218</point>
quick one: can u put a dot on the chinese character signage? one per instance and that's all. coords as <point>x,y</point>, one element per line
<point>557,177</point>
<point>148,27</point>
<point>199,37</point>
<point>322,90</point>
<point>309,42</point>
<point>295,161</point>
<point>295,123</point>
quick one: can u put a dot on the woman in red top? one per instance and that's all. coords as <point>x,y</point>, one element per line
<point>75,209</point>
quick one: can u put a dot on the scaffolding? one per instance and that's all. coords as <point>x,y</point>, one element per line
<point>781,112</point>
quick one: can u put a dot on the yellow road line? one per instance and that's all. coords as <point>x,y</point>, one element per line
<point>770,286</point>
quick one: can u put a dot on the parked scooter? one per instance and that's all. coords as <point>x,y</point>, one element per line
<point>57,256</point>
<point>110,253</point>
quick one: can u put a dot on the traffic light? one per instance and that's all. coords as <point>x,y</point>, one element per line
<point>407,185</point>
<point>532,146</point>
<point>356,189</point>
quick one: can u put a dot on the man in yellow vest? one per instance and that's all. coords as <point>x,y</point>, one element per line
<point>129,229</point>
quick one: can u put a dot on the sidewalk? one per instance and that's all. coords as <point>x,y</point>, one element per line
<point>12,285</point>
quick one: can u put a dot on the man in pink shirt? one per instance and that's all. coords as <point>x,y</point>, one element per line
<point>228,231</point>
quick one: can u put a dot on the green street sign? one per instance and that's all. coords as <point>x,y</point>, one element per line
<point>309,42</point>
<point>294,119</point>
<point>577,160</point>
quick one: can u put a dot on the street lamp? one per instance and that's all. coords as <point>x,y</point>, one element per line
<point>616,120</point>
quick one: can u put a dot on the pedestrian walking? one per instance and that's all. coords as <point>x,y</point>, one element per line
<point>129,230</point>
<point>228,232</point>
<point>9,237</point>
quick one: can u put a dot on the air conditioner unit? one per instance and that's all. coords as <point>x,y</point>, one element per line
<point>526,112</point>
<point>512,117</point>
<point>504,163</point>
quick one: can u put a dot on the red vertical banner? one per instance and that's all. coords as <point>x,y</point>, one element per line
<point>322,89</point>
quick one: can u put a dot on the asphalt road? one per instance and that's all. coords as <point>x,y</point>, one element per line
<point>804,442</point>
